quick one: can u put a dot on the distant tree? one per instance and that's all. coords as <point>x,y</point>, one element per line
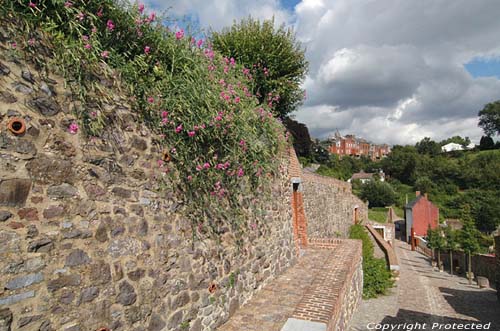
<point>302,142</point>
<point>489,118</point>
<point>319,153</point>
<point>275,58</point>
<point>379,194</point>
<point>424,185</point>
<point>428,146</point>
<point>469,238</point>
<point>436,240</point>
<point>486,143</point>
<point>401,164</point>
<point>451,244</point>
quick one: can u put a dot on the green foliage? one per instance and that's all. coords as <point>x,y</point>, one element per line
<point>489,118</point>
<point>401,164</point>
<point>424,185</point>
<point>377,214</point>
<point>377,279</point>
<point>274,58</point>
<point>469,235</point>
<point>451,239</point>
<point>486,143</point>
<point>219,143</point>
<point>379,194</point>
<point>436,239</point>
<point>428,146</point>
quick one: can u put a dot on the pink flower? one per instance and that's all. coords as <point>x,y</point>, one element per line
<point>99,12</point>
<point>31,42</point>
<point>93,113</point>
<point>199,167</point>
<point>110,25</point>
<point>237,100</point>
<point>32,5</point>
<point>218,118</point>
<point>13,45</point>
<point>173,150</point>
<point>179,34</point>
<point>94,30</point>
<point>80,16</point>
<point>152,17</point>
<point>232,62</point>
<point>85,37</point>
<point>73,128</point>
<point>199,43</point>
<point>189,178</point>
<point>147,50</point>
<point>240,172</point>
<point>242,142</point>
<point>68,4</point>
<point>151,100</point>
<point>164,114</point>
<point>191,133</point>
<point>206,165</point>
<point>105,54</point>
<point>160,163</point>
<point>178,129</point>
<point>88,46</point>
<point>141,8</point>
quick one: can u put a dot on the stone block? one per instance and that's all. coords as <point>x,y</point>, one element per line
<point>62,191</point>
<point>5,319</point>
<point>10,300</point>
<point>76,258</point>
<point>14,192</point>
<point>24,281</point>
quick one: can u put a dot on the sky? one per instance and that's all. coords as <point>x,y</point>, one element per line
<point>390,71</point>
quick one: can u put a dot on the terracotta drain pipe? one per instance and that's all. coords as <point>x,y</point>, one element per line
<point>16,126</point>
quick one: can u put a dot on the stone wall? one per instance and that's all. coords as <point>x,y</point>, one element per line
<point>330,206</point>
<point>87,239</point>
<point>482,265</point>
<point>497,254</point>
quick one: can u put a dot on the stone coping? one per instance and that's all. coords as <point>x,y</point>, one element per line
<point>392,259</point>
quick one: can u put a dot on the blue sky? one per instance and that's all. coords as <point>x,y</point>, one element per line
<point>484,67</point>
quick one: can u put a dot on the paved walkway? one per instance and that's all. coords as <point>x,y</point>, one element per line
<point>423,295</point>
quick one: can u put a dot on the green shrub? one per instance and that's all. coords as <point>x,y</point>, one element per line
<point>379,194</point>
<point>377,279</point>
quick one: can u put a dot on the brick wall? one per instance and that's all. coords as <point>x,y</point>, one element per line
<point>330,206</point>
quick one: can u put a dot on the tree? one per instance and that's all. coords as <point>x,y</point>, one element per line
<point>401,164</point>
<point>436,241</point>
<point>275,59</point>
<point>486,143</point>
<point>379,194</point>
<point>451,244</point>
<point>424,185</point>
<point>489,118</point>
<point>468,238</point>
<point>428,146</point>
<point>302,142</point>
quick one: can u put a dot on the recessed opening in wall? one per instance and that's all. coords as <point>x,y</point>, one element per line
<point>295,187</point>
<point>16,126</point>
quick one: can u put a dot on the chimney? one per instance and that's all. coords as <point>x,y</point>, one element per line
<point>425,194</point>
<point>417,193</point>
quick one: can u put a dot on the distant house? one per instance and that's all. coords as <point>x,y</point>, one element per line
<point>364,177</point>
<point>452,147</point>
<point>420,214</point>
<point>453,223</point>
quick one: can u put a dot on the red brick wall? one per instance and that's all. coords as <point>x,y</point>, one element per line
<point>425,214</point>
<point>299,219</point>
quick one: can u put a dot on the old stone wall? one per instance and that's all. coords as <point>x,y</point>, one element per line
<point>482,265</point>
<point>87,238</point>
<point>497,254</point>
<point>330,206</point>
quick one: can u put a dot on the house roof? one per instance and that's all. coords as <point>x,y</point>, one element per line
<point>412,203</point>
<point>362,175</point>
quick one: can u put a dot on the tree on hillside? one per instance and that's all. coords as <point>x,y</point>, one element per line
<point>424,185</point>
<point>469,238</point>
<point>401,164</point>
<point>379,194</point>
<point>275,58</point>
<point>489,118</point>
<point>486,143</point>
<point>428,146</point>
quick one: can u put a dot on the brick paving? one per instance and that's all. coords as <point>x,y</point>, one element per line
<point>309,290</point>
<point>424,295</point>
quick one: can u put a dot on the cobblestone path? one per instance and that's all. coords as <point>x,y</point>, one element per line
<point>423,295</point>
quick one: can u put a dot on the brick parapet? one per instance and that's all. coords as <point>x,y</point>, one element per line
<point>336,291</point>
<point>388,250</point>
